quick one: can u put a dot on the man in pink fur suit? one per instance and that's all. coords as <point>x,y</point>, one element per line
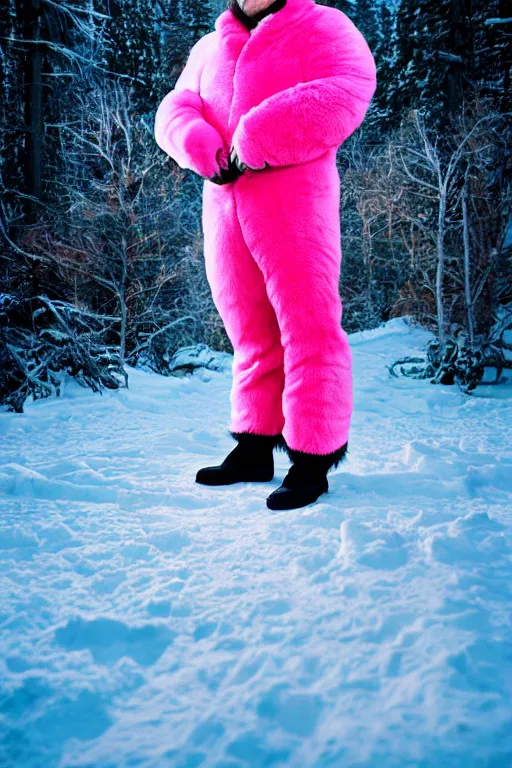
<point>259,111</point>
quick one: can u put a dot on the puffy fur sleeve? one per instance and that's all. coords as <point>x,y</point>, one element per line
<point>299,124</point>
<point>181,129</point>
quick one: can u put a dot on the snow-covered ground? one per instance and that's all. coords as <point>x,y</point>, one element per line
<point>150,621</point>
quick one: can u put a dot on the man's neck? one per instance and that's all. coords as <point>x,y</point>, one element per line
<point>251,21</point>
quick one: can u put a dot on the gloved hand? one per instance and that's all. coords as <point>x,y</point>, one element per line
<point>234,169</point>
<point>236,160</point>
<point>245,167</point>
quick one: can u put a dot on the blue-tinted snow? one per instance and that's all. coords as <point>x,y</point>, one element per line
<point>149,621</point>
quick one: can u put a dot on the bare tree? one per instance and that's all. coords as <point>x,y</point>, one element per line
<point>122,245</point>
<point>449,209</point>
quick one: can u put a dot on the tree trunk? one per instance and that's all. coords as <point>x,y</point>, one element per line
<point>440,266</point>
<point>467,264</point>
<point>33,104</point>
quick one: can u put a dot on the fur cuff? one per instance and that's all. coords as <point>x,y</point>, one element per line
<point>275,440</point>
<point>326,461</point>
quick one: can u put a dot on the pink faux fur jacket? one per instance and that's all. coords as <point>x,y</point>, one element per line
<point>294,92</point>
<point>285,95</point>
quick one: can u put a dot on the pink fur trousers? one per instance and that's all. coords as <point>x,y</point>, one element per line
<point>280,305</point>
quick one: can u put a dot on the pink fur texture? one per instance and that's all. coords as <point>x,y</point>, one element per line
<point>286,94</point>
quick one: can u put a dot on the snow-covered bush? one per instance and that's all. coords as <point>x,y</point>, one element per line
<point>461,361</point>
<point>41,340</point>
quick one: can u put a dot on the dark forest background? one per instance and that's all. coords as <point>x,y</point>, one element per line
<point>100,235</point>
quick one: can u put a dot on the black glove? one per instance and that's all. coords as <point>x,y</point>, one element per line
<point>243,166</point>
<point>231,173</point>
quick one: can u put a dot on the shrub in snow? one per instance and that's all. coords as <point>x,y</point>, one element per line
<point>459,360</point>
<point>40,340</point>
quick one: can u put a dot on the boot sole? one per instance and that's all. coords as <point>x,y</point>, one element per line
<point>253,477</point>
<point>287,499</point>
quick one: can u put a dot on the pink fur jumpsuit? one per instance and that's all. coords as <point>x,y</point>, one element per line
<point>284,95</point>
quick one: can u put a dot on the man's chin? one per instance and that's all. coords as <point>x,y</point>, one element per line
<point>245,7</point>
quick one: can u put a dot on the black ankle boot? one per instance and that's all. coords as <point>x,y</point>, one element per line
<point>250,461</point>
<point>306,479</point>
